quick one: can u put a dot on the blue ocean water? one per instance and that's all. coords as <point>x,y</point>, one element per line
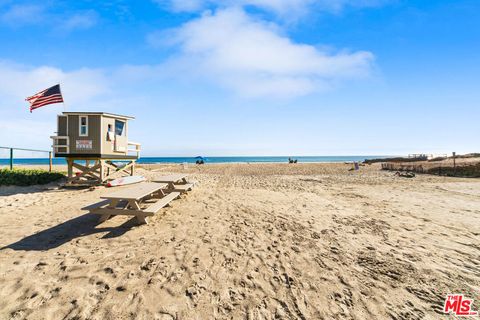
<point>257,159</point>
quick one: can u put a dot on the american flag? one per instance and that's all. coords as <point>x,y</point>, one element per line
<point>47,96</point>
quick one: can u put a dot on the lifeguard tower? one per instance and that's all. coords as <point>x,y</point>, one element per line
<point>95,143</point>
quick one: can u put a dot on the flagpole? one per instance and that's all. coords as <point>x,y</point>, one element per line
<point>64,105</point>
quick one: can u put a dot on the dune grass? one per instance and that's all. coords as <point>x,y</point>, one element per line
<point>28,177</point>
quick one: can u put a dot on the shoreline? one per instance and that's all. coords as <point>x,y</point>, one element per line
<point>4,162</point>
<point>192,163</point>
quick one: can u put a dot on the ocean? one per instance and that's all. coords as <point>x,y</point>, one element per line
<point>153,160</point>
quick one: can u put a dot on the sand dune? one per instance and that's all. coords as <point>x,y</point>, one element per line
<point>251,241</point>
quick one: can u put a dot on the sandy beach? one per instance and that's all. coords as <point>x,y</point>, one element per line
<point>251,241</point>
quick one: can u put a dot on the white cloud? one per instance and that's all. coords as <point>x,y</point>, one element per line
<point>26,133</point>
<point>338,5</point>
<point>19,15</point>
<point>281,7</point>
<point>22,14</point>
<point>19,82</point>
<point>81,20</point>
<point>251,57</point>
<point>186,5</point>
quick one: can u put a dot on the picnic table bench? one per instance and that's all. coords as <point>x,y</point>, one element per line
<point>135,201</point>
<point>176,182</point>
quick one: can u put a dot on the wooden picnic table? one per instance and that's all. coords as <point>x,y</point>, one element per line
<point>176,182</point>
<point>129,201</point>
<point>173,178</point>
<point>136,193</point>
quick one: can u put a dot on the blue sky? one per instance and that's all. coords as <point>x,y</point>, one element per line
<point>250,77</point>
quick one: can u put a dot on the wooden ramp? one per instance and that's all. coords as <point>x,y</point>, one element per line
<point>141,201</point>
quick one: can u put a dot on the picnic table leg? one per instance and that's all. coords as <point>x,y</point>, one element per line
<point>141,219</point>
<point>134,205</point>
<point>113,203</point>
<point>160,194</point>
<point>105,217</point>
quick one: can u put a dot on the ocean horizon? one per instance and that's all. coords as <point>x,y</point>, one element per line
<point>230,159</point>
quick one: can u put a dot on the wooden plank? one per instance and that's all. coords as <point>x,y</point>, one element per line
<point>95,156</point>
<point>161,203</point>
<point>120,212</point>
<point>183,187</point>
<point>86,172</point>
<point>127,170</point>
<point>171,178</point>
<point>136,192</point>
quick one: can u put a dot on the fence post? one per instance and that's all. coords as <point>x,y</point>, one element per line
<point>50,161</point>
<point>11,158</point>
<point>454,164</point>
